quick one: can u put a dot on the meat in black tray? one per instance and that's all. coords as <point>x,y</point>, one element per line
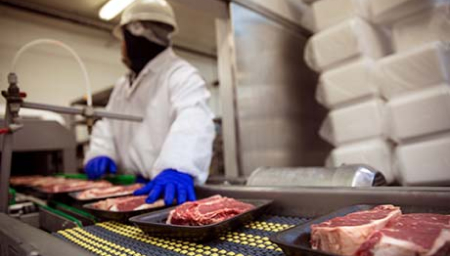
<point>155,224</point>
<point>122,216</point>
<point>92,195</point>
<point>296,241</point>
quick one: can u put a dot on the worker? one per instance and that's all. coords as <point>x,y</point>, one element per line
<point>173,144</point>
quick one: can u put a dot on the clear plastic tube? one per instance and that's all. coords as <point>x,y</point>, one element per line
<point>64,46</point>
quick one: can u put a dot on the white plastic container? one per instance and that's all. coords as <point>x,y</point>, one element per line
<point>420,113</point>
<point>388,11</point>
<point>356,122</point>
<point>424,27</point>
<point>347,84</point>
<point>420,68</point>
<point>328,13</point>
<point>343,43</point>
<point>426,162</point>
<point>377,153</point>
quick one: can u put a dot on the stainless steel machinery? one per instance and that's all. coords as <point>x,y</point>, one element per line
<point>43,147</point>
<point>274,116</point>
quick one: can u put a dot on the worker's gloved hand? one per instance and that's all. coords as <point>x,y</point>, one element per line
<point>99,166</point>
<point>169,183</point>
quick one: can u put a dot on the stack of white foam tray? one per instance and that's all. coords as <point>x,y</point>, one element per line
<point>359,121</point>
<point>425,162</point>
<point>418,114</point>
<point>344,50</point>
<point>415,81</point>
<point>376,152</point>
<point>340,10</point>
<point>420,122</point>
<point>345,42</point>
<point>385,12</point>
<point>429,25</point>
<point>422,67</point>
<point>328,13</point>
<point>347,84</point>
<point>361,68</point>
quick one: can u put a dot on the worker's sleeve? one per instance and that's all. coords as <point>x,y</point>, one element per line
<point>188,145</point>
<point>102,139</point>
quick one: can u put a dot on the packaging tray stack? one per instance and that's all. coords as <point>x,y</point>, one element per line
<point>384,75</point>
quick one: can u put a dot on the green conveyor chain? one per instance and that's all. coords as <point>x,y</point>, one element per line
<point>115,179</point>
<point>75,210</point>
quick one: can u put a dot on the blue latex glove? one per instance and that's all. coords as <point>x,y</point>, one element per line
<point>99,166</point>
<point>169,183</point>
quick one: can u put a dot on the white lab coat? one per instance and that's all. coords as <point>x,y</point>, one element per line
<point>177,131</point>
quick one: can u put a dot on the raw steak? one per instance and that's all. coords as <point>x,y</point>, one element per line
<point>71,185</point>
<point>344,235</point>
<point>23,180</point>
<point>47,181</point>
<point>113,191</point>
<point>410,235</point>
<point>207,211</point>
<point>126,204</point>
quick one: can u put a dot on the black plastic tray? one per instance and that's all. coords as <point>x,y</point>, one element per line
<point>36,192</point>
<point>51,195</point>
<point>118,216</point>
<point>155,223</point>
<point>296,241</point>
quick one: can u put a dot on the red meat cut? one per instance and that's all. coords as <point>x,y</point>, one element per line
<point>344,235</point>
<point>207,211</point>
<point>24,180</point>
<point>47,181</point>
<point>126,204</point>
<point>37,180</point>
<point>113,191</point>
<point>419,234</point>
<point>56,184</point>
<point>71,185</point>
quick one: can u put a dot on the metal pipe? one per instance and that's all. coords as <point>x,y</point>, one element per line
<point>80,111</point>
<point>101,113</point>
<point>6,163</point>
<point>64,46</point>
<point>58,109</point>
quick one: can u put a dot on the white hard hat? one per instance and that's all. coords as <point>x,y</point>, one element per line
<point>147,10</point>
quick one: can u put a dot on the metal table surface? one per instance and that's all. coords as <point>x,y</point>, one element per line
<point>20,239</point>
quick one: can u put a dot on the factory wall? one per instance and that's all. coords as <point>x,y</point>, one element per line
<point>49,74</point>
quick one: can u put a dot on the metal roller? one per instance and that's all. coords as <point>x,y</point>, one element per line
<point>344,176</point>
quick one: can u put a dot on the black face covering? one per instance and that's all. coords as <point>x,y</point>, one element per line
<point>140,51</point>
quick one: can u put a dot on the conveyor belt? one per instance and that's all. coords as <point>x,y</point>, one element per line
<point>118,239</point>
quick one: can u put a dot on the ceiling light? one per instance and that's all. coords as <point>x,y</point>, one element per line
<point>112,8</point>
